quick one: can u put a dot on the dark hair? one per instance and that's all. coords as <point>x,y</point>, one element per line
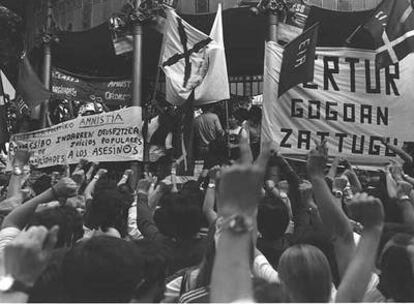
<point>272,218</point>
<point>42,184</point>
<point>178,217</point>
<point>397,278</point>
<point>107,209</point>
<point>67,218</point>
<point>191,189</point>
<point>305,272</point>
<point>167,124</point>
<point>102,269</point>
<point>207,107</point>
<point>49,286</point>
<point>155,257</point>
<point>265,292</point>
<point>255,114</point>
<point>322,242</point>
<point>241,115</point>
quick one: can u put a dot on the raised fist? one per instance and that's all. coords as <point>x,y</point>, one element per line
<point>367,210</point>
<point>317,160</point>
<point>66,187</point>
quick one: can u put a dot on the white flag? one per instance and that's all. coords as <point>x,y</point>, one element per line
<point>7,86</point>
<point>184,58</point>
<point>215,86</point>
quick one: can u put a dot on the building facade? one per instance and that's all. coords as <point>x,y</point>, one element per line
<point>79,15</point>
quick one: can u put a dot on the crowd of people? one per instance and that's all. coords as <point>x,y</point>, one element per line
<point>250,229</point>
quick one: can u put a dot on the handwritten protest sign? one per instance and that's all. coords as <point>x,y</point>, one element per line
<point>111,92</point>
<point>350,103</point>
<point>112,136</point>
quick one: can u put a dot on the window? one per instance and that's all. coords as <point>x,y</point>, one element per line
<point>201,6</point>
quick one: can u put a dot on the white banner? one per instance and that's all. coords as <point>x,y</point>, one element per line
<point>113,136</point>
<point>349,103</point>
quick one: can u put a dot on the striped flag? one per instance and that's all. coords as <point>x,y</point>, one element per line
<point>392,27</point>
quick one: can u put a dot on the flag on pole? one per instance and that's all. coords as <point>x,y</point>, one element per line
<point>184,58</point>
<point>4,134</point>
<point>392,27</point>
<point>215,86</point>
<point>8,88</point>
<point>29,86</point>
<point>298,60</point>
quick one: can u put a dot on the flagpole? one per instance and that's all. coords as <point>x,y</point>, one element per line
<point>137,32</point>
<point>47,62</point>
<point>146,114</point>
<point>273,20</point>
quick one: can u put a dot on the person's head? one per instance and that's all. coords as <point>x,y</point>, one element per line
<point>178,217</point>
<point>265,292</point>
<point>323,242</point>
<point>102,269</point>
<point>155,257</point>
<point>108,209</point>
<point>167,123</point>
<point>207,108</point>
<point>191,189</point>
<point>238,117</point>
<point>397,277</point>
<point>67,218</point>
<point>255,114</point>
<point>43,183</point>
<point>305,274</point>
<point>272,218</point>
<point>49,286</point>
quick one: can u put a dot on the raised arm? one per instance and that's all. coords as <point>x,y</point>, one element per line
<point>334,168</point>
<point>335,221</point>
<point>368,211</point>
<point>20,216</point>
<point>90,188</point>
<point>405,203</point>
<point>239,193</point>
<point>25,258</point>
<point>210,196</point>
<point>352,177</point>
<point>20,160</point>
<point>145,221</point>
<point>400,152</point>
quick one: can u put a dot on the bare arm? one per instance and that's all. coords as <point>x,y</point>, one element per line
<point>90,188</point>
<point>370,213</point>
<point>239,193</point>
<point>353,179</point>
<point>336,223</point>
<point>208,205</point>
<point>232,261</point>
<point>334,168</point>
<point>400,152</point>
<point>20,216</point>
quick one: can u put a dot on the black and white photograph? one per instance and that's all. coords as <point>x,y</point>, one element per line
<point>206,151</point>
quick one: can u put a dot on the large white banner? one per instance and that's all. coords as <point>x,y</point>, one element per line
<point>349,103</point>
<point>112,136</point>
